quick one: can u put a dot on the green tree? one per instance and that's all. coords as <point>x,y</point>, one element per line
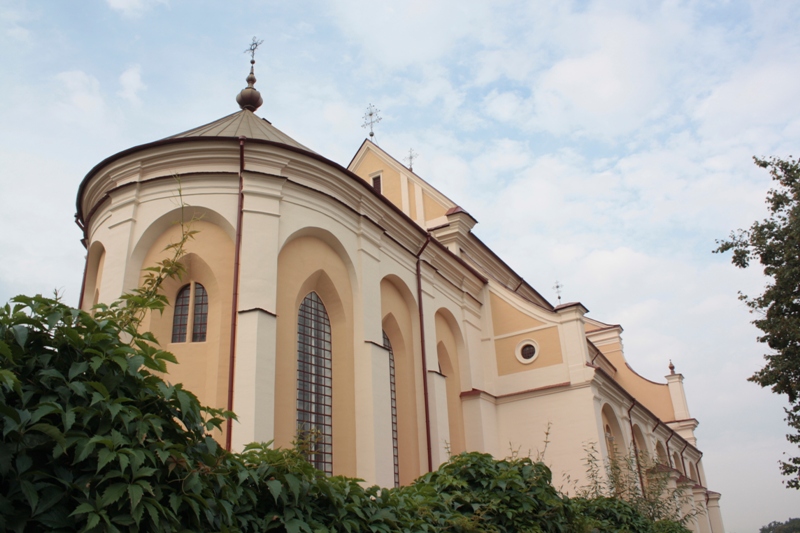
<point>775,243</point>
<point>790,526</point>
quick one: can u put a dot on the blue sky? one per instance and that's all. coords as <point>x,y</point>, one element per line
<point>603,144</point>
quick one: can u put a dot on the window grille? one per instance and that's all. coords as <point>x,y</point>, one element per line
<point>314,384</point>
<point>395,454</point>
<point>180,319</point>
<point>200,320</point>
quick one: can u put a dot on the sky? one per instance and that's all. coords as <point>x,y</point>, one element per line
<point>606,145</point>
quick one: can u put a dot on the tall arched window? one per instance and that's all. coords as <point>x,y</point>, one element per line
<point>192,296</point>
<point>314,387</point>
<point>200,319</point>
<point>395,454</point>
<point>181,317</point>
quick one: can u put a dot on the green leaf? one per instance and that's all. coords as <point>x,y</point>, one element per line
<point>135,492</point>
<point>83,509</point>
<point>5,351</point>
<point>113,493</point>
<point>275,488</point>
<point>20,334</point>
<point>92,521</point>
<point>30,494</point>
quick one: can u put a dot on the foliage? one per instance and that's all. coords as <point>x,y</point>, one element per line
<point>618,483</point>
<point>790,526</point>
<point>775,242</point>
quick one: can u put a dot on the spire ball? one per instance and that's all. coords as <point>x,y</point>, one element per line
<point>249,98</point>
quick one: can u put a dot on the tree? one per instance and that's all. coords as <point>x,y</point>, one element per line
<point>775,242</point>
<point>790,526</point>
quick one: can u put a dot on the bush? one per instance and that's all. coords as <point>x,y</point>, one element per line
<point>94,440</point>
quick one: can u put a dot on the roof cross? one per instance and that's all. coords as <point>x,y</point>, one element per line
<point>410,159</point>
<point>252,49</point>
<point>558,286</point>
<point>371,118</point>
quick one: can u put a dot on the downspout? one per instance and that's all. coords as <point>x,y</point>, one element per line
<point>422,351</point>
<point>683,459</point>
<point>235,298</point>
<point>635,447</point>
<point>697,468</point>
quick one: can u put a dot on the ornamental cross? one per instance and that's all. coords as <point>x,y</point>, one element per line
<point>253,47</point>
<point>410,159</point>
<point>558,286</point>
<point>371,118</point>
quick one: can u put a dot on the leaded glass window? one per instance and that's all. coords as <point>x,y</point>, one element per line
<point>200,319</point>
<point>180,319</point>
<point>388,346</point>
<point>314,382</point>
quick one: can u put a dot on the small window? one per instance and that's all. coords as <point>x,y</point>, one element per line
<point>376,184</point>
<point>192,296</point>
<point>527,351</point>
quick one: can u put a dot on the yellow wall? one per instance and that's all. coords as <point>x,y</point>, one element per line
<point>308,264</point>
<point>203,366</point>
<point>398,325</point>
<point>507,319</point>
<point>390,178</point>
<point>433,209</point>
<point>654,396</point>
<point>549,343</point>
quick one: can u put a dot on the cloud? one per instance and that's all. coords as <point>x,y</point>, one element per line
<point>133,8</point>
<point>131,82</point>
<point>80,97</point>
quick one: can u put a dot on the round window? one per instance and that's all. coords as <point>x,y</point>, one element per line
<point>527,351</point>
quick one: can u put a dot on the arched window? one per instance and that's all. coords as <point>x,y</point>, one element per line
<point>181,317</point>
<point>314,385</point>
<point>395,454</point>
<point>193,292</point>
<point>200,321</point>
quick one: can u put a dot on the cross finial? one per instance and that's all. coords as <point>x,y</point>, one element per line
<point>410,159</point>
<point>252,49</point>
<point>558,286</point>
<point>371,118</point>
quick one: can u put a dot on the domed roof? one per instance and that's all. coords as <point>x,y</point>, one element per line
<point>243,123</point>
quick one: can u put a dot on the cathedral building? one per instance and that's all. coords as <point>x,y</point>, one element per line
<point>356,305</point>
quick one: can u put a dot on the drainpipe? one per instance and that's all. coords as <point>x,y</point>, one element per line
<point>683,459</point>
<point>235,298</point>
<point>697,468</point>
<point>422,350</point>
<point>635,447</point>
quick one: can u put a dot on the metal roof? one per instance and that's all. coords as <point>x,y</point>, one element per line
<point>243,123</point>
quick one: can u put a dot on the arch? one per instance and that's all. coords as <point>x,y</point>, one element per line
<point>307,264</point>
<point>204,365</point>
<point>167,223</point>
<point>449,343</point>
<point>329,239</point>
<point>677,464</point>
<point>612,433</point>
<point>661,454</point>
<point>399,323</point>
<point>640,442</point>
<point>95,261</point>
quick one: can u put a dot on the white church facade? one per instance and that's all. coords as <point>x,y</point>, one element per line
<point>357,303</point>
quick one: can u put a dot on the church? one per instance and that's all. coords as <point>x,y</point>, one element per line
<point>355,305</point>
